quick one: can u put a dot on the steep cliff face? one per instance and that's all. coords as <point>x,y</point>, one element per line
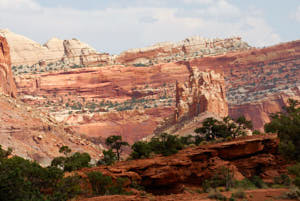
<point>203,92</point>
<point>7,84</point>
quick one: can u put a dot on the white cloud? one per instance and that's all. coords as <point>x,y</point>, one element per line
<point>115,29</point>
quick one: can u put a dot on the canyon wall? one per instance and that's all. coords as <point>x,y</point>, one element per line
<point>7,84</point>
<point>134,100</point>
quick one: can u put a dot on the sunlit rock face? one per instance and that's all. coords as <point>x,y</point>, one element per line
<point>7,85</point>
<point>203,92</point>
<point>56,52</point>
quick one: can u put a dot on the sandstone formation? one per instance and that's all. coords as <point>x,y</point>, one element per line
<point>160,175</point>
<point>56,52</point>
<point>203,92</point>
<point>7,84</point>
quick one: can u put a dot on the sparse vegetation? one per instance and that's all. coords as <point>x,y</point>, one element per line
<point>212,128</point>
<point>71,162</point>
<point>115,143</point>
<point>287,125</point>
<point>104,185</point>
<point>25,180</point>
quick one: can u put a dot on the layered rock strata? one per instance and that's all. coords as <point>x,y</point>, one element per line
<point>254,156</point>
<point>258,82</point>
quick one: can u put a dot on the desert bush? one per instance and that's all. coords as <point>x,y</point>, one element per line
<point>104,185</point>
<point>222,177</point>
<point>283,179</point>
<point>287,125</point>
<point>293,193</point>
<point>239,194</point>
<point>99,182</point>
<point>295,170</point>
<point>213,129</point>
<point>140,150</point>
<point>165,144</point>
<point>115,143</point>
<point>244,184</point>
<point>69,162</point>
<point>109,157</point>
<point>216,195</point>
<point>22,179</point>
<point>258,182</point>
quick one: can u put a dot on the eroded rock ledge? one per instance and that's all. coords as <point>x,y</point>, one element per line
<point>246,157</point>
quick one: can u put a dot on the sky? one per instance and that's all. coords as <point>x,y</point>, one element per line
<point>116,25</point>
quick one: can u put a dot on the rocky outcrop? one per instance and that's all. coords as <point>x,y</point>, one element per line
<point>183,50</point>
<point>203,92</point>
<point>244,157</point>
<point>7,84</point>
<point>56,52</point>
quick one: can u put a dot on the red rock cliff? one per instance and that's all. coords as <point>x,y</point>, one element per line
<point>7,85</point>
<point>203,92</point>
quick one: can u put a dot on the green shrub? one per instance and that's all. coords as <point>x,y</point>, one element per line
<point>140,150</point>
<point>258,182</point>
<point>287,125</point>
<point>283,179</point>
<point>293,193</point>
<point>109,157</point>
<point>213,128</point>
<point>244,184</point>
<point>166,144</point>
<point>222,178</point>
<point>256,132</point>
<point>295,170</point>
<point>115,143</point>
<point>103,185</point>
<point>25,180</point>
<point>67,188</point>
<point>99,182</point>
<point>216,195</point>
<point>238,194</point>
<point>71,163</point>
